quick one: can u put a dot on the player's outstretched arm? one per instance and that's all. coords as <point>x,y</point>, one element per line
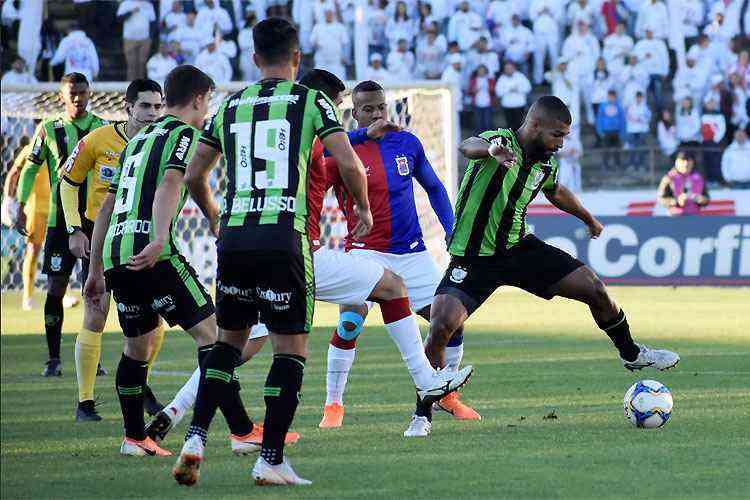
<point>166,200</point>
<point>564,199</point>
<point>476,148</point>
<point>94,288</point>
<point>353,175</point>
<point>196,179</point>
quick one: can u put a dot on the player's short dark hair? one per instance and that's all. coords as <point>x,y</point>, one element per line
<point>367,86</point>
<point>275,40</point>
<point>549,107</point>
<point>324,81</point>
<point>184,83</point>
<point>141,85</point>
<point>74,79</point>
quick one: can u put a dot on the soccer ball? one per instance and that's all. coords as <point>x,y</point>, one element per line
<point>648,404</point>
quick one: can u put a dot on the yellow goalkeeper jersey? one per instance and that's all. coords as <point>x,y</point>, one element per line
<point>94,159</point>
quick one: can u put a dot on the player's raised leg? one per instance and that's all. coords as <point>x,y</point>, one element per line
<point>585,286</point>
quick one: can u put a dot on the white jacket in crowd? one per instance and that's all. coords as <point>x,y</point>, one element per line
<point>652,16</point>
<point>652,56</point>
<point>14,78</point>
<point>137,26</point>
<point>431,57</point>
<point>210,18</point>
<point>735,166</point>
<point>637,117</point>
<point>688,124</point>
<point>159,66</point>
<point>250,72</point>
<point>330,41</point>
<point>215,64</point>
<point>401,65</point>
<point>512,90</point>
<point>78,53</point>
<point>518,42</point>
<point>616,47</point>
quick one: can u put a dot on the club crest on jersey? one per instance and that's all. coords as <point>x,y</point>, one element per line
<point>458,274</point>
<point>106,173</point>
<point>538,178</point>
<point>402,164</point>
<point>55,262</point>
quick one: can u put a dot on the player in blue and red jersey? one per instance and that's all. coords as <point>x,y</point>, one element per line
<point>392,163</point>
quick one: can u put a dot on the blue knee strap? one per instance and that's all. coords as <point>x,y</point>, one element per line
<point>350,317</point>
<point>456,340</point>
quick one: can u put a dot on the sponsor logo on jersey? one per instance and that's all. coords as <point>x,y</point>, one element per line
<point>277,203</point>
<point>330,113</point>
<point>37,148</point>
<point>158,132</point>
<point>165,303</point>
<point>55,262</point>
<point>458,274</point>
<point>256,101</point>
<point>182,148</point>
<point>130,227</point>
<point>402,164</point>
<point>279,300</point>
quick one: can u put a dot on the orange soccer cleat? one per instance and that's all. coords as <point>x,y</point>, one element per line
<point>144,448</point>
<point>333,416</point>
<point>251,442</point>
<point>455,407</point>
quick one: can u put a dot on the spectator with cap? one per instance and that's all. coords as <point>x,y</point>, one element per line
<point>637,119</point>
<point>518,42</point>
<point>431,51</point>
<point>582,49</point>
<point>330,40</point>
<point>375,71</point>
<point>400,26</point>
<point>137,16</point>
<point>18,74</point>
<point>610,128</point>
<point>481,92</point>
<point>652,15</point>
<point>483,55</point>
<point>683,189</point>
<point>546,35</point>
<point>249,70</point>
<point>735,166</point>
<point>160,64</point>
<point>654,59</point>
<point>400,62</point>
<point>513,89</point>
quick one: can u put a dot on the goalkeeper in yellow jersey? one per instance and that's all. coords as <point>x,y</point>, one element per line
<point>95,160</point>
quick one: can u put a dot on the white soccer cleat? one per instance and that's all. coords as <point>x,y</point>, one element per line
<point>661,359</point>
<point>70,301</point>
<point>444,382</point>
<point>418,427</point>
<point>187,469</point>
<point>266,474</point>
<point>145,448</point>
<point>28,304</point>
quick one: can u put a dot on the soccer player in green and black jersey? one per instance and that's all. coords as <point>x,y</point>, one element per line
<point>134,247</point>
<point>53,142</point>
<point>265,133</point>
<point>490,246</point>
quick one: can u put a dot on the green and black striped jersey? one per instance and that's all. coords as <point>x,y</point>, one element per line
<point>492,200</point>
<point>266,133</point>
<point>166,143</point>
<point>53,142</point>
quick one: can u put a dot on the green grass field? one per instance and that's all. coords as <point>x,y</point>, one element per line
<point>532,358</point>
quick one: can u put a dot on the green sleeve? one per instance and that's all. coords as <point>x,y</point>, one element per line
<point>325,116</point>
<point>36,158</point>
<point>551,183</point>
<point>182,144</point>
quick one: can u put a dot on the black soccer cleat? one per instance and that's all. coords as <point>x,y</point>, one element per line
<point>150,403</point>
<point>101,371</point>
<point>86,412</point>
<point>158,428</point>
<point>52,368</point>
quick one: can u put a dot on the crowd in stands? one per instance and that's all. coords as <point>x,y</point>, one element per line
<point>671,72</point>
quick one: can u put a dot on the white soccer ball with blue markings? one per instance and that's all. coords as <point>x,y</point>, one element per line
<point>648,404</point>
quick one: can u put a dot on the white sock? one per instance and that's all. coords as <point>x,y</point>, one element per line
<point>339,364</point>
<point>453,357</point>
<point>405,333</point>
<point>185,397</point>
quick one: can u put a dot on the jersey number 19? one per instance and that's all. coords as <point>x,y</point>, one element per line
<point>272,145</point>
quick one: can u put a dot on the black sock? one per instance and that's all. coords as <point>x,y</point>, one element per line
<point>130,382</point>
<point>424,409</point>
<point>215,387</point>
<point>618,330</point>
<point>202,353</point>
<point>281,393</point>
<point>53,321</point>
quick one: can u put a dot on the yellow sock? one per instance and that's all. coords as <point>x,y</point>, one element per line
<point>87,352</point>
<point>155,347</point>
<point>28,271</point>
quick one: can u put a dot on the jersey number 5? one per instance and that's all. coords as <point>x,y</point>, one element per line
<point>271,144</point>
<point>126,187</point>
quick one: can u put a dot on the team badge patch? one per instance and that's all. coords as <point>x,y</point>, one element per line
<point>538,178</point>
<point>402,164</point>
<point>55,262</point>
<point>458,274</point>
<point>106,173</point>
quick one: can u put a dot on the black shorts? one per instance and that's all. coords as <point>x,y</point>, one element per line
<point>280,285</point>
<point>170,289</point>
<point>531,265</point>
<point>58,260</point>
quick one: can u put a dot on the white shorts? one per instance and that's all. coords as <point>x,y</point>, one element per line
<point>419,272</point>
<point>343,278</point>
